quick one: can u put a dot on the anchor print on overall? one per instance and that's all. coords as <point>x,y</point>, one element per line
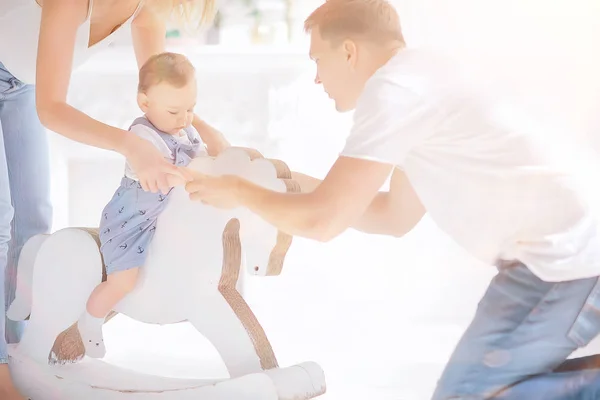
<point>129,219</point>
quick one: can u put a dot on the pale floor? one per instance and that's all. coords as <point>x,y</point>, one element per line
<point>380,324</point>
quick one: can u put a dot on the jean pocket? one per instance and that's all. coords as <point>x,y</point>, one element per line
<point>587,324</point>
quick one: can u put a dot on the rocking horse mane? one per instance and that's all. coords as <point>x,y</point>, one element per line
<point>69,348</point>
<point>284,240</point>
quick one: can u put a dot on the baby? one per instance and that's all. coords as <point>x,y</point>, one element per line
<point>167,96</point>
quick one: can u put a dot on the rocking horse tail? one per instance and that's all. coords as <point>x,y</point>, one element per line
<point>20,308</point>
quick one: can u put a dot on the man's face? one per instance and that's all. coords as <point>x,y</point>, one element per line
<point>336,70</point>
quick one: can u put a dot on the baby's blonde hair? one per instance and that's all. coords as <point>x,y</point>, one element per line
<point>375,20</point>
<point>172,68</point>
<point>189,15</point>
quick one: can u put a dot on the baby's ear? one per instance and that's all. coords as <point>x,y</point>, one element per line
<point>142,101</point>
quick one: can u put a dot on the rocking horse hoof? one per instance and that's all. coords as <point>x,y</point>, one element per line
<point>20,308</point>
<point>302,381</point>
<point>18,311</point>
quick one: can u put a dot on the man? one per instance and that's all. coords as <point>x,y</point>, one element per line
<point>495,190</point>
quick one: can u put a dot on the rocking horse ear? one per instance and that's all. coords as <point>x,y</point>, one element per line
<point>263,172</point>
<point>233,161</point>
<point>252,153</point>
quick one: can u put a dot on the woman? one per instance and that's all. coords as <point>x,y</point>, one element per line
<point>41,42</point>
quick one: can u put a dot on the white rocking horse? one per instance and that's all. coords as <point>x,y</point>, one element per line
<point>191,273</point>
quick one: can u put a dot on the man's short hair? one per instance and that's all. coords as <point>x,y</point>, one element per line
<point>338,20</point>
<point>172,68</point>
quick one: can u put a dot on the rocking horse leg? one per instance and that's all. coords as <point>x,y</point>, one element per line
<point>67,256</point>
<point>215,320</point>
<point>20,308</point>
<point>68,347</point>
<point>226,320</point>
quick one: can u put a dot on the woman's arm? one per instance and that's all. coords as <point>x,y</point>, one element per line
<point>58,30</point>
<point>148,33</point>
<point>60,21</point>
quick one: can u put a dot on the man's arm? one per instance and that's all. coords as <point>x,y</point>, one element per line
<point>322,214</point>
<point>393,213</point>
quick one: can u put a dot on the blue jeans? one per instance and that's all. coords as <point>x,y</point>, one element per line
<point>523,331</point>
<point>25,207</point>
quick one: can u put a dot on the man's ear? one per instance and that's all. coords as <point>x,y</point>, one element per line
<point>349,48</point>
<point>142,101</point>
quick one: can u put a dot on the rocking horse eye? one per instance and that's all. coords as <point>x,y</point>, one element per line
<point>256,268</point>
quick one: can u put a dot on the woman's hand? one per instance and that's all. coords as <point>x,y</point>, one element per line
<point>154,172</point>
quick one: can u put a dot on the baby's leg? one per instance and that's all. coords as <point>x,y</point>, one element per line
<point>101,302</point>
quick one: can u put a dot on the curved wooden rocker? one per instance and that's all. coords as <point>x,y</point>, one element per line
<point>190,275</point>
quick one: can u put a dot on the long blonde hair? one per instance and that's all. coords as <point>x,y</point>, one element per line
<point>188,15</point>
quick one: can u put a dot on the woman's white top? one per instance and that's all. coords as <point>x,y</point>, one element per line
<point>19,33</point>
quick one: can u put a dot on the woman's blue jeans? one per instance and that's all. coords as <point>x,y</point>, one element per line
<point>25,206</point>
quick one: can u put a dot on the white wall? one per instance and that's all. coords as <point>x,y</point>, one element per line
<point>543,52</point>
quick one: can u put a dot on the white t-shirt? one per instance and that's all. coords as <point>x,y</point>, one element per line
<point>153,137</point>
<point>20,31</point>
<point>496,190</point>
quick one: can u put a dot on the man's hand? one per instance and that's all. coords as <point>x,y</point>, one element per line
<point>218,191</point>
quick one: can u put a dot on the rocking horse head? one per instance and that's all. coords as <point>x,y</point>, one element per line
<point>198,248</point>
<point>263,247</point>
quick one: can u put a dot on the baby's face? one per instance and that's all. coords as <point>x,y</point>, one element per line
<point>169,108</point>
